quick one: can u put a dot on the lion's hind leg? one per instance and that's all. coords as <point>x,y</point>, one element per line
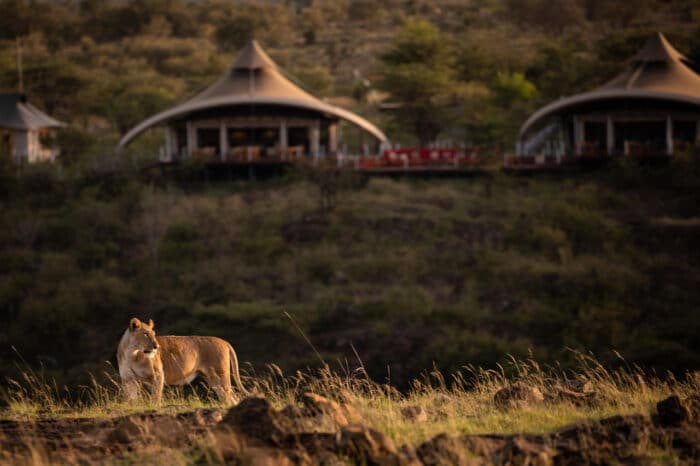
<point>220,382</point>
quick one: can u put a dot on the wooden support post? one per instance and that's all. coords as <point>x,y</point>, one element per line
<point>223,140</point>
<point>669,135</point>
<point>610,133</point>
<point>578,135</point>
<point>316,138</point>
<point>283,140</point>
<point>191,138</point>
<point>333,138</point>
<point>168,146</point>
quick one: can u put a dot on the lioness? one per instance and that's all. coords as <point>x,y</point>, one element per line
<point>154,361</point>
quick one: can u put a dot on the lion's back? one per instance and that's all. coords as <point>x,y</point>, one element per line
<point>192,352</point>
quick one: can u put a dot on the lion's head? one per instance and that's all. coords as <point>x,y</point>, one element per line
<point>142,338</point>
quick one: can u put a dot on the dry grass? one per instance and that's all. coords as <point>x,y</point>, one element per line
<point>461,404</point>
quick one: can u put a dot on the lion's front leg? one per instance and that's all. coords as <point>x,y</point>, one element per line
<point>157,386</point>
<point>130,388</point>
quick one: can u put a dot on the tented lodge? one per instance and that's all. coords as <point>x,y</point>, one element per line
<point>254,113</point>
<point>651,110</point>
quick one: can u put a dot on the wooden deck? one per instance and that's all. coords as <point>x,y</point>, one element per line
<point>573,162</point>
<point>349,164</point>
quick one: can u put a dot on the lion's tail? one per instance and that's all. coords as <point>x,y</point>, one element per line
<point>234,369</point>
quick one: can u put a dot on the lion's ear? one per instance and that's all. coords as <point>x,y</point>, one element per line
<point>150,323</point>
<point>134,324</point>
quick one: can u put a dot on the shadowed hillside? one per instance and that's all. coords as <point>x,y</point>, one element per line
<point>410,272</point>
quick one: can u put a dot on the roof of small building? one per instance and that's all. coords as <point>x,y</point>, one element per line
<point>17,113</point>
<point>656,71</point>
<point>254,78</point>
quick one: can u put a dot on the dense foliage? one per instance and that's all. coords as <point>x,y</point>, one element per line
<point>409,273</point>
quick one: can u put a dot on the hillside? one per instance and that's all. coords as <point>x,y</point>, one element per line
<point>407,273</point>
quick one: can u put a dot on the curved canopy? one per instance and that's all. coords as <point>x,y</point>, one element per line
<point>657,72</point>
<point>253,79</point>
<point>17,113</point>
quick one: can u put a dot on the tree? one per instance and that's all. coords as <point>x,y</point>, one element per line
<point>317,79</point>
<point>510,88</point>
<point>418,75</point>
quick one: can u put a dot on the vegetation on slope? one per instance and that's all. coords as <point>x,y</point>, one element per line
<point>410,272</point>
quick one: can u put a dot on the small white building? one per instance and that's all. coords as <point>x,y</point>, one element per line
<point>25,130</point>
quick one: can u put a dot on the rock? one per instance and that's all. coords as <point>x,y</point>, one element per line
<point>256,418</point>
<point>340,414</point>
<point>129,430</point>
<point>207,417</point>
<point>517,395</point>
<point>167,429</point>
<point>693,405</point>
<point>523,450</point>
<point>672,412</point>
<point>414,413</point>
<point>612,440</point>
<point>292,412</point>
<point>578,385</point>
<point>443,449</point>
<point>367,446</point>
<point>258,456</point>
<point>579,398</point>
<point>684,440</point>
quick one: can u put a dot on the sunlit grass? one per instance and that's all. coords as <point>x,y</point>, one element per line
<point>460,404</point>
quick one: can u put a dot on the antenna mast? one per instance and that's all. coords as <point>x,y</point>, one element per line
<point>20,71</point>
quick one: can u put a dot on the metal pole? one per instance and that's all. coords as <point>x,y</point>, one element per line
<point>20,70</point>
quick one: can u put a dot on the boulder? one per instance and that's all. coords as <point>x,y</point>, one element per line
<point>611,440</point>
<point>443,449</point>
<point>130,429</point>
<point>561,393</point>
<point>367,446</point>
<point>340,414</point>
<point>255,417</point>
<point>523,450</point>
<point>672,412</point>
<point>292,412</point>
<point>517,395</point>
<point>578,385</point>
<point>207,417</point>
<point>414,413</point>
<point>259,456</point>
<point>693,405</point>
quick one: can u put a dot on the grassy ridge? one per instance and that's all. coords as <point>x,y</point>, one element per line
<point>461,408</point>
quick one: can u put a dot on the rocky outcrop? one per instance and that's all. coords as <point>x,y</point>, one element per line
<point>254,432</point>
<point>517,395</point>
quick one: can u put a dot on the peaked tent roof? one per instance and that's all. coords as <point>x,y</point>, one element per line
<point>252,79</point>
<point>17,113</point>
<point>657,71</point>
